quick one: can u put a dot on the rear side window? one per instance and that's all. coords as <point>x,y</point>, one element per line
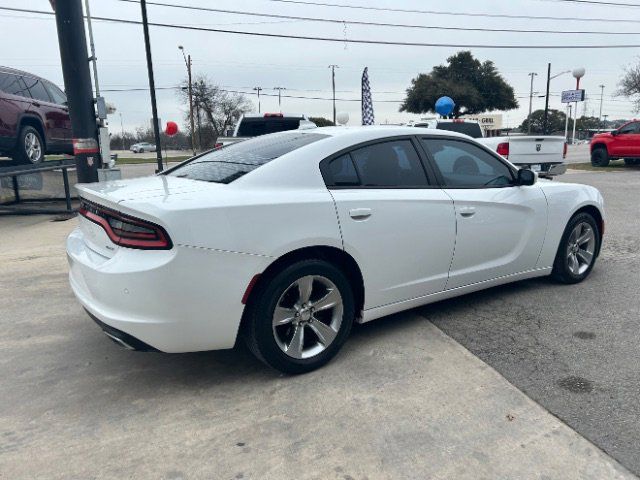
<point>466,128</point>
<point>389,164</point>
<point>340,172</point>
<point>13,85</point>
<point>232,162</point>
<point>254,127</point>
<point>464,165</point>
<point>37,89</point>
<point>56,94</point>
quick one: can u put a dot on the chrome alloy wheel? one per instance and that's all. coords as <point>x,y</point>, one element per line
<point>32,147</point>
<point>307,317</point>
<point>581,248</point>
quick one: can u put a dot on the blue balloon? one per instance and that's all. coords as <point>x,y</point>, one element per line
<point>444,106</point>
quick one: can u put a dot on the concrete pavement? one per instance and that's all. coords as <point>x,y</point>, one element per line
<point>403,400</point>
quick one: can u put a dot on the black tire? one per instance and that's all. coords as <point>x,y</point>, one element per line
<point>600,157</point>
<point>259,333</point>
<point>632,161</point>
<point>21,153</point>
<point>561,269</point>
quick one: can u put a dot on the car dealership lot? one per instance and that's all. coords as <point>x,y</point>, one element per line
<point>401,400</point>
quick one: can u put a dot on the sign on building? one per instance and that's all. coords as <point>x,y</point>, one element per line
<point>487,121</point>
<point>570,96</point>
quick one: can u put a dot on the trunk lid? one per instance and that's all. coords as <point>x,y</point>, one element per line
<point>535,150</point>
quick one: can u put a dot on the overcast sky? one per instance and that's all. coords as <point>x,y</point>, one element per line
<point>240,62</point>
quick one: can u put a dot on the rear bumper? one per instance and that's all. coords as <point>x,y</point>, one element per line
<point>180,300</point>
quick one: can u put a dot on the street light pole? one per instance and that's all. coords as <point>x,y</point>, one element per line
<point>333,87</point>
<point>258,89</point>
<point>566,122</point>
<point>546,102</point>
<point>532,74</point>
<point>577,73</point>
<point>187,62</point>
<point>600,116</point>
<point>279,89</point>
<point>152,84</point>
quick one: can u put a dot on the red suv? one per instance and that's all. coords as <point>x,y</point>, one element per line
<point>34,118</point>
<point>621,143</point>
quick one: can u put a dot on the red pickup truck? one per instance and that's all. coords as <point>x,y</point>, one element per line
<point>621,143</point>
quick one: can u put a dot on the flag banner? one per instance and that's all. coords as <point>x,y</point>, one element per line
<point>367,102</point>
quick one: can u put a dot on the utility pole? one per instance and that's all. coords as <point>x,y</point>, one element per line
<point>333,87</point>
<point>77,83</point>
<point>600,116</point>
<point>258,89</point>
<point>604,121</point>
<point>532,74</point>
<point>279,89</point>
<point>566,122</point>
<point>152,84</point>
<point>121,130</point>
<point>187,62</point>
<point>546,103</point>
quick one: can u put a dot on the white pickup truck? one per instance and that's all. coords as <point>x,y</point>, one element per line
<point>254,125</point>
<point>541,153</point>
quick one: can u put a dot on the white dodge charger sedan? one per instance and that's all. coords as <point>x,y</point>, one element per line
<point>288,239</point>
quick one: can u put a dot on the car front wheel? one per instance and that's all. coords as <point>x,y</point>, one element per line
<point>578,248</point>
<point>300,318</point>
<point>30,147</point>
<point>600,157</point>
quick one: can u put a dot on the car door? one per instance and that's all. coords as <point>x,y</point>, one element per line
<point>627,141</point>
<point>500,226</point>
<point>398,226</point>
<point>53,116</point>
<point>14,101</point>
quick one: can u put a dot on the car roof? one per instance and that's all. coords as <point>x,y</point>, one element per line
<point>15,71</point>
<point>373,132</point>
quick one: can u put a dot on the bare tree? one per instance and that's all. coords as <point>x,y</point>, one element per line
<point>629,86</point>
<point>216,109</point>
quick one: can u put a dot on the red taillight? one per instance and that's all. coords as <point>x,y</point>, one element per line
<point>503,149</point>
<point>267,115</point>
<point>218,145</point>
<point>126,231</point>
<point>564,150</point>
<point>458,120</point>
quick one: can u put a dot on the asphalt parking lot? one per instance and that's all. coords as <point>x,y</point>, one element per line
<point>403,400</point>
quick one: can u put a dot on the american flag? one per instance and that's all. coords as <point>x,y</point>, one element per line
<point>367,103</point>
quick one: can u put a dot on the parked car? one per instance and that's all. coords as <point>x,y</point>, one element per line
<point>288,239</point>
<point>34,118</point>
<point>621,143</point>
<point>143,147</point>
<point>254,125</point>
<point>542,153</point>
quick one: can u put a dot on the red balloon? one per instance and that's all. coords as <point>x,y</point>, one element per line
<point>171,129</point>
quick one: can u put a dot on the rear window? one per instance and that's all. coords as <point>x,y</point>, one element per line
<point>471,129</point>
<point>254,127</point>
<point>232,162</point>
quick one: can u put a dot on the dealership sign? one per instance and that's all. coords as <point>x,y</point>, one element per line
<point>570,96</point>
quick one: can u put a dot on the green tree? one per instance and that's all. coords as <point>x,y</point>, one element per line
<point>475,87</point>
<point>555,120</point>
<point>322,122</point>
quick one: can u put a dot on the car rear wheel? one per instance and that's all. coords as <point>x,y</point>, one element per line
<point>600,157</point>
<point>30,147</point>
<point>578,248</point>
<point>300,319</point>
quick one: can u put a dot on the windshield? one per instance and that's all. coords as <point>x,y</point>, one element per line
<point>256,126</point>
<point>229,163</point>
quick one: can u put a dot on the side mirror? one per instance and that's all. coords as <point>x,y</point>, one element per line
<point>526,177</point>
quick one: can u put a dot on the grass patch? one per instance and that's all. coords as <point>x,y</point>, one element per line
<point>135,160</point>
<point>614,166</point>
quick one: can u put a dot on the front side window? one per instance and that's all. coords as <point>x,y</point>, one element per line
<point>38,92</point>
<point>629,129</point>
<point>13,85</point>
<point>464,165</point>
<point>227,164</point>
<point>389,164</point>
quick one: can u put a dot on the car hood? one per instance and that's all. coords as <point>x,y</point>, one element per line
<point>602,135</point>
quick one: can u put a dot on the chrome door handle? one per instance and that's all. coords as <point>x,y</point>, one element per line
<point>360,213</point>
<point>467,212</point>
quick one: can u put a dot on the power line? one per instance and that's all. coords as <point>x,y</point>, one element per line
<point>459,14</point>
<point>342,40</point>
<point>378,24</point>
<point>606,4</point>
